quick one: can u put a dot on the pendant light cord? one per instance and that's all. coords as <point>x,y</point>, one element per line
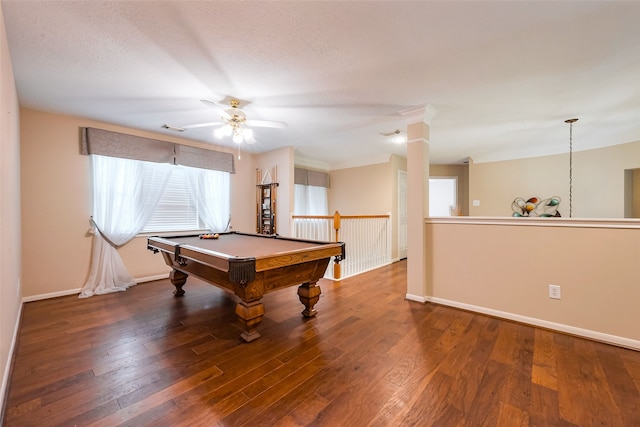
<point>571,122</point>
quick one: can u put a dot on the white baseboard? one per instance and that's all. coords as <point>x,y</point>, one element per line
<point>77,290</point>
<point>572,330</point>
<point>367,270</point>
<point>7,368</point>
<point>51,295</point>
<point>416,298</point>
<point>152,278</point>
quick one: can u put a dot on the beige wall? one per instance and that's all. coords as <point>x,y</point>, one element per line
<point>10,244</point>
<point>364,190</point>
<point>373,189</point>
<point>598,182</point>
<point>56,205</point>
<point>367,190</point>
<point>635,193</point>
<point>508,268</point>
<point>496,184</point>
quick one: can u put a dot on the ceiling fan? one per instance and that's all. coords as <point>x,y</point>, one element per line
<point>233,123</point>
<point>397,135</point>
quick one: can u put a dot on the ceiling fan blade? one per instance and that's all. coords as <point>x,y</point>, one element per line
<point>202,125</point>
<point>220,109</point>
<point>250,139</point>
<point>267,124</point>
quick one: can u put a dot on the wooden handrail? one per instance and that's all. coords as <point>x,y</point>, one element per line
<point>336,217</point>
<point>341,216</point>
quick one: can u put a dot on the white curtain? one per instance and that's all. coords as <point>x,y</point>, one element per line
<point>310,200</point>
<point>122,204</point>
<point>210,189</point>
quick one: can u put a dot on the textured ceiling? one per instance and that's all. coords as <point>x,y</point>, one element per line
<point>502,75</point>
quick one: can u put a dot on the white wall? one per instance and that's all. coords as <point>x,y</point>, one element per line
<point>10,241</point>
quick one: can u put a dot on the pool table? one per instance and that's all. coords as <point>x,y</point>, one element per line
<point>249,265</point>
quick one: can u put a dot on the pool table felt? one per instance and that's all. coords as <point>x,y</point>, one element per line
<point>242,246</point>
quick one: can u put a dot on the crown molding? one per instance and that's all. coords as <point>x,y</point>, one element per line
<point>420,113</point>
<point>309,163</point>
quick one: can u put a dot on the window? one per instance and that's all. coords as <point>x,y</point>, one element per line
<point>153,197</point>
<point>310,192</point>
<point>130,179</point>
<point>194,200</point>
<point>177,210</point>
<point>310,200</point>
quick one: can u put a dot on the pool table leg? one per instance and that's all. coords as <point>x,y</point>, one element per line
<point>178,279</point>
<point>309,294</point>
<point>250,314</point>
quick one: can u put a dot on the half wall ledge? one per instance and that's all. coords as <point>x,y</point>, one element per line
<point>624,223</point>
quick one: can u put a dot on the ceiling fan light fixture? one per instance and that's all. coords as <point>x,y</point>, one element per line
<point>233,123</point>
<point>400,139</point>
<point>397,136</point>
<point>390,132</point>
<point>235,115</point>
<point>223,131</point>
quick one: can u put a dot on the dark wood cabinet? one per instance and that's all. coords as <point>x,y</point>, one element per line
<point>266,195</point>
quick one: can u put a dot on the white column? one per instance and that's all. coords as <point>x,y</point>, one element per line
<point>419,283</point>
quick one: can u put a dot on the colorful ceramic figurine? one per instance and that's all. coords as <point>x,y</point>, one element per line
<point>534,207</point>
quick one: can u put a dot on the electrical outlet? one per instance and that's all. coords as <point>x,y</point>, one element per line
<point>554,292</point>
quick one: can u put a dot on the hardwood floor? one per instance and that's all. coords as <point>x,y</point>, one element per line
<point>370,358</point>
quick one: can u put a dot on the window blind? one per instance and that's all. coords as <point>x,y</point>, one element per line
<point>177,210</point>
<point>310,177</point>
<point>115,144</point>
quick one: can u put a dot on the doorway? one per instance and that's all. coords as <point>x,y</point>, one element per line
<point>443,196</point>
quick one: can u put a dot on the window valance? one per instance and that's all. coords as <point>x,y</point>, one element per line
<point>310,177</point>
<point>115,144</point>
